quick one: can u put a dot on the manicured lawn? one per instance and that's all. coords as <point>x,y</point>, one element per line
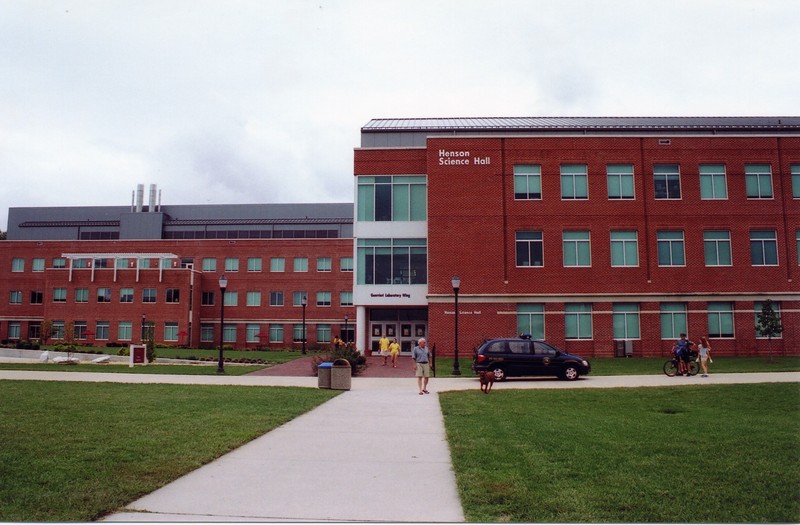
<point>726,453</point>
<point>612,366</point>
<point>72,452</point>
<point>178,369</point>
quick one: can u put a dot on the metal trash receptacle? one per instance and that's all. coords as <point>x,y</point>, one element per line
<point>341,374</point>
<point>324,375</point>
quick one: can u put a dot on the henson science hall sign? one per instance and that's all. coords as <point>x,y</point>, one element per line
<point>461,158</point>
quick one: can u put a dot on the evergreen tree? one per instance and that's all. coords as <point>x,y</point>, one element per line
<point>769,323</point>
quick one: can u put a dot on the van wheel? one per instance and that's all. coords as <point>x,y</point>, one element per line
<point>570,373</point>
<point>499,374</point>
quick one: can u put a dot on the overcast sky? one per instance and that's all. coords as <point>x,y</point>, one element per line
<point>262,101</point>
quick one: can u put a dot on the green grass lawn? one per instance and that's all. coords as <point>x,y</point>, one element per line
<point>177,369</point>
<point>725,453</point>
<point>76,451</point>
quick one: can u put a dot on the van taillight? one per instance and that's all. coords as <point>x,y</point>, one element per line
<point>481,358</point>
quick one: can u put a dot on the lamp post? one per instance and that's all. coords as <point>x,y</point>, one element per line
<point>304,303</point>
<point>456,282</point>
<point>223,284</point>
<point>144,335</point>
<point>346,332</point>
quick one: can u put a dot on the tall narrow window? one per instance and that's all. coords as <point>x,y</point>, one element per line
<point>758,181</point>
<point>796,181</point>
<point>578,321</point>
<point>670,248</point>
<point>720,319</point>
<point>763,248</point>
<point>717,248</point>
<point>231,264</point>
<point>254,264</point>
<point>713,183</point>
<point>209,264</point>
<point>254,298</point>
<point>530,320</point>
<point>527,182</point>
<point>574,182</point>
<point>626,320</point>
<point>620,181</point>
<point>667,181</point>
<point>673,320</point>
<point>577,248</point>
<point>530,249</point>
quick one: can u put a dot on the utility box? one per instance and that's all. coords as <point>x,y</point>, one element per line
<point>623,348</point>
<point>138,355</point>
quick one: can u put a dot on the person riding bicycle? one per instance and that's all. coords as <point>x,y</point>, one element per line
<point>682,351</point>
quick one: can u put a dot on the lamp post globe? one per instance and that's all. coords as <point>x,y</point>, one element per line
<point>456,282</point>
<point>223,284</point>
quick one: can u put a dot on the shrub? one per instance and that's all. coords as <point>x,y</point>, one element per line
<point>357,361</point>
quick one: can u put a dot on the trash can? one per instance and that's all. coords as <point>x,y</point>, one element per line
<point>341,374</point>
<point>324,375</point>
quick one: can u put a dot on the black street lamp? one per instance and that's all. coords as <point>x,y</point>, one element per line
<point>456,282</point>
<point>223,284</point>
<point>304,303</point>
<point>346,332</point>
<point>144,334</point>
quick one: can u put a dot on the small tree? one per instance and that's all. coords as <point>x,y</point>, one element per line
<point>769,323</point>
<point>46,331</point>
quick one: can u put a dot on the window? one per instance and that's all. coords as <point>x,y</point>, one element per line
<point>104,295</point>
<point>776,307</point>
<point>59,295</point>
<point>346,264</point>
<point>254,264</point>
<point>397,198</point>
<point>59,262</point>
<point>301,264</point>
<point>34,330</point>
<point>577,249</point>
<point>763,248</point>
<point>15,297</point>
<point>625,320</point>
<point>81,263</point>
<point>207,299</point>
<point>796,181</point>
<point>323,333</point>
<point>323,264</point>
<point>277,264</point>
<point>126,295</point>
<point>13,330</point>
<point>149,295</point>
<point>717,248</point>
<point>578,321</point>
<point>143,263</point>
<point>206,333</point>
<point>346,299</point>
<point>392,261</point>
<point>667,181</point>
<point>673,320</point>
<point>230,298</point>
<point>530,320</point>
<point>574,182</point>
<point>173,295</point>
<point>101,330</point>
<point>530,249</point>
<point>758,181</point>
<point>323,298</point>
<point>713,183</point>
<point>17,265</point>
<point>297,298</point>
<point>720,319</point>
<point>298,333</point>
<point>121,263</point>
<point>275,333</point>
<point>171,331</point>
<point>620,181</point>
<point>37,297</point>
<point>276,298</point>
<point>231,264</point>
<point>528,182</point>
<point>624,248</point>
<point>165,263</point>
<point>38,265</point>
<point>80,328</point>
<point>670,248</point>
<point>252,331</point>
<point>254,298</point>
<point>229,333</point>
<point>209,264</point>
<point>81,295</point>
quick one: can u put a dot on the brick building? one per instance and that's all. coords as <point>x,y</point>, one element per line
<point>581,231</point>
<point>107,272</point>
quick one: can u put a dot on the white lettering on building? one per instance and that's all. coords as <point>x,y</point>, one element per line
<point>461,158</point>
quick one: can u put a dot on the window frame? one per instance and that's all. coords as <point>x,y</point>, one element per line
<point>667,189</point>
<point>671,243</point>
<point>754,181</point>
<point>616,176</point>
<point>523,175</point>
<point>576,180</point>
<point>711,174</point>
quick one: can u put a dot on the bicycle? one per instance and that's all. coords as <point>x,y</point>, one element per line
<point>671,367</point>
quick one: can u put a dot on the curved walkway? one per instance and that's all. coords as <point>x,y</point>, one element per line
<point>304,470</point>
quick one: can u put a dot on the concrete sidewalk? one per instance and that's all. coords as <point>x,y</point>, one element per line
<point>375,453</point>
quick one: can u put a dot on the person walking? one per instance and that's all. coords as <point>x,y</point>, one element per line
<point>383,345</point>
<point>705,354</point>
<point>394,349</point>
<point>422,367</point>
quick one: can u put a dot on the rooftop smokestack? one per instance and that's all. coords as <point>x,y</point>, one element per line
<point>139,197</point>
<point>151,206</point>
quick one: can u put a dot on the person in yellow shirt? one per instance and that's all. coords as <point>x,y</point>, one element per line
<point>383,344</point>
<point>394,349</point>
